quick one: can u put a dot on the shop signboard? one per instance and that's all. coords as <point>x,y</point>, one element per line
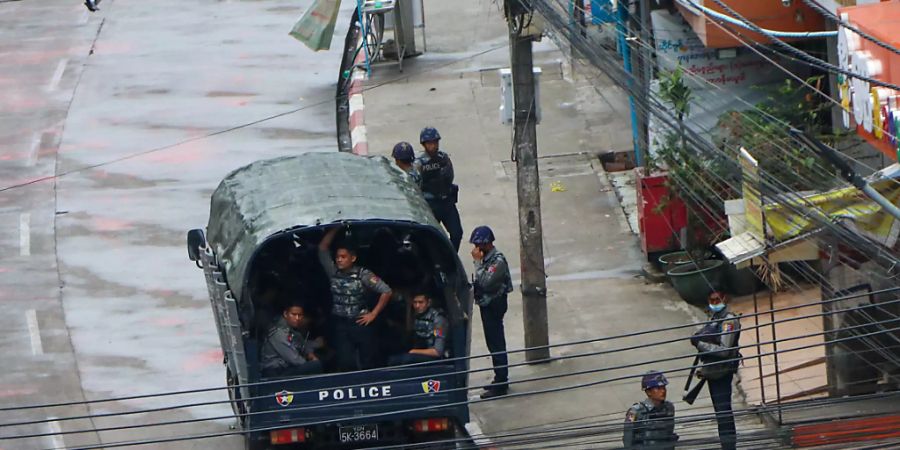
<point>872,110</point>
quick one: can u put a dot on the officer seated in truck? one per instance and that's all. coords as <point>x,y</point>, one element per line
<point>430,334</point>
<point>288,351</point>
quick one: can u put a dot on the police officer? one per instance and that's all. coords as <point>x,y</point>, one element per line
<point>437,184</point>
<point>492,283</point>
<point>717,344</point>
<point>350,313</point>
<point>430,330</point>
<point>404,156</point>
<point>650,423</point>
<point>287,350</point>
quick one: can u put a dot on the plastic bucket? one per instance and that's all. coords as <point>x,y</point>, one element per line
<point>741,281</point>
<point>695,281</point>
<point>669,261</point>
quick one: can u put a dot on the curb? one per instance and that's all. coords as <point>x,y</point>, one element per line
<point>358,141</point>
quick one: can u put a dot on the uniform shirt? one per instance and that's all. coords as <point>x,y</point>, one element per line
<point>714,346</point>
<point>431,331</point>
<point>492,279</point>
<point>437,175</point>
<point>285,347</point>
<point>415,175</point>
<point>650,426</point>
<point>348,287</point>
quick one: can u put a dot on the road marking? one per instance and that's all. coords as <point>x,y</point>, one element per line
<point>33,151</point>
<point>37,347</point>
<point>25,234</point>
<point>57,440</point>
<point>500,171</point>
<point>57,75</point>
<point>478,436</point>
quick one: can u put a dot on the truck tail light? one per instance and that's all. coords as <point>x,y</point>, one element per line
<point>288,436</point>
<point>431,425</point>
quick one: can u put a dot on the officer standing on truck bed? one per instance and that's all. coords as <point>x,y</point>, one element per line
<point>438,189</point>
<point>492,284</point>
<point>650,423</point>
<point>350,313</point>
<point>717,346</point>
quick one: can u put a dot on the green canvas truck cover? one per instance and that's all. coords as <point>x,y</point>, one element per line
<point>269,196</point>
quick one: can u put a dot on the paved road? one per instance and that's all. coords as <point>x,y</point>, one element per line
<point>98,296</point>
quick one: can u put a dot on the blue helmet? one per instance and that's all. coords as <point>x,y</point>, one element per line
<point>403,151</point>
<point>653,379</point>
<point>429,134</point>
<point>482,235</point>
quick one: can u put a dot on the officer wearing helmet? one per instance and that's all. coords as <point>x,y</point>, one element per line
<point>437,184</point>
<point>650,423</point>
<point>404,156</point>
<point>718,349</point>
<point>492,284</point>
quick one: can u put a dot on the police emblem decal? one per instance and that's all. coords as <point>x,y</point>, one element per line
<point>284,398</point>
<point>431,386</point>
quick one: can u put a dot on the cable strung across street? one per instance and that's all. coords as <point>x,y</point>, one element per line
<point>515,394</point>
<point>566,357</point>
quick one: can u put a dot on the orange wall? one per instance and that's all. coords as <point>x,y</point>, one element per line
<point>880,20</point>
<point>769,14</point>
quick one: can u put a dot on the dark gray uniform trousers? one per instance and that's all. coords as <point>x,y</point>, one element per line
<point>495,337</point>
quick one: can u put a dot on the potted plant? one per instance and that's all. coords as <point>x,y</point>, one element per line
<point>688,181</point>
<point>789,166</point>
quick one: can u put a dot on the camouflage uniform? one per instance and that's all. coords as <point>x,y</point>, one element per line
<point>492,284</point>
<point>415,175</point>
<point>648,426</point>
<point>718,344</point>
<point>430,332</point>
<point>348,294</point>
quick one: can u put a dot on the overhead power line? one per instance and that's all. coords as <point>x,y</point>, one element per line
<point>803,55</point>
<point>834,18</point>
<point>592,340</point>
<point>691,4</point>
<point>467,388</point>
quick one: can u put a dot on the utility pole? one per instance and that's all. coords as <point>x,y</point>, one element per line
<point>531,247</point>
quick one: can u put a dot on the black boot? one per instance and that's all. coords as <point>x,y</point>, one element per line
<point>91,5</point>
<point>491,393</point>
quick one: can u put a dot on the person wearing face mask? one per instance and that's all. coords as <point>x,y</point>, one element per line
<point>717,346</point>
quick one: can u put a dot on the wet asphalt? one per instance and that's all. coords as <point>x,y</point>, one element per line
<point>115,127</point>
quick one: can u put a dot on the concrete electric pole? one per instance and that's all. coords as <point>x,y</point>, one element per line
<point>534,287</point>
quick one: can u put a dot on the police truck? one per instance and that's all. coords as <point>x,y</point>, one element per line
<point>258,253</point>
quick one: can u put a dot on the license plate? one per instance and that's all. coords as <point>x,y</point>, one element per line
<point>358,433</point>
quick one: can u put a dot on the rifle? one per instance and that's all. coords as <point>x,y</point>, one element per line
<point>690,395</point>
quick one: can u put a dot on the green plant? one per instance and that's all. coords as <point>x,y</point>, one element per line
<point>693,178</point>
<point>793,167</point>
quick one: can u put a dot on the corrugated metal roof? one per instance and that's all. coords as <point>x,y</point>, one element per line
<point>265,197</point>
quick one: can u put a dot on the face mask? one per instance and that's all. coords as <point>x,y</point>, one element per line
<point>716,308</point>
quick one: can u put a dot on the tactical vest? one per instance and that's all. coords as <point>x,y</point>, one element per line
<point>651,428</point>
<point>433,183</point>
<point>714,371</point>
<point>507,286</point>
<point>348,294</point>
<point>424,328</point>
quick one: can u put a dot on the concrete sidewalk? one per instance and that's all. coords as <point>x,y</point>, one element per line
<point>593,261</point>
